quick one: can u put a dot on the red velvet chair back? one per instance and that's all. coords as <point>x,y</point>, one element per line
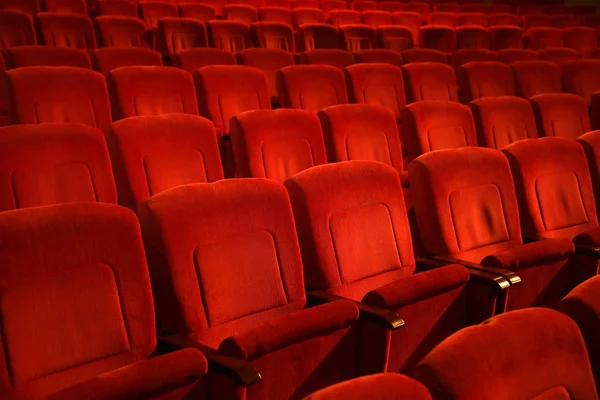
<point>378,56</point>
<point>464,56</point>
<point>509,56</point>
<point>29,7</point>
<point>16,29</point>
<point>66,6</point>
<point>472,37</point>
<point>107,59</point>
<point>439,38</point>
<point>358,37</point>
<point>543,38</point>
<point>440,18</point>
<point>591,144</point>
<point>376,18</point>
<point>430,81</point>
<point>501,19</point>
<point>152,11</point>
<point>424,55</point>
<point>344,17</point>
<point>276,14</point>
<point>561,114</point>
<point>307,16</point>
<point>582,77</point>
<point>269,61</point>
<point>192,59</point>
<point>316,36</point>
<point>240,13</point>
<point>485,79</point>
<point>474,19</point>
<point>558,55</point>
<point>506,37</point>
<point>123,8</point>
<point>536,77</point>
<point>119,31</point>
<point>199,11</point>
<point>580,38</point>
<point>176,34</point>
<point>334,57</point>
<point>39,56</point>
<point>229,35</point>
<point>395,38</point>
<point>67,30</point>
<point>273,35</point>
<point>410,20</point>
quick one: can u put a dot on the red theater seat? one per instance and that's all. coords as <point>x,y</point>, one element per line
<point>376,18</point>
<point>464,56</point>
<point>582,77</point>
<point>232,36</point>
<point>580,38</point>
<point>217,4</point>
<point>558,55</point>
<point>141,90</point>
<point>3,101</point>
<point>537,21</point>
<point>333,57</point>
<point>269,61</point>
<point>430,81</point>
<point>504,20</point>
<point>472,37</point>
<point>439,38</point>
<point>58,94</point>
<point>420,7</point>
<point>378,56</point>
<point>88,271</point>
<point>591,144</point>
<point>29,7</point>
<point>307,16</point>
<point>275,14</point>
<point>435,125</point>
<point>485,79</point>
<point>344,17</point>
<point>506,37</point>
<point>192,59</point>
<point>592,53</point>
<point>305,4</point>
<point>448,19</point>
<point>396,38</point>
<point>447,7</point>
<point>330,5</point>
<point>37,56</point>
<point>381,386</point>
<point>116,31</point>
<point>317,36</point>
<point>549,360</point>
<point>473,7</point>
<point>410,20</point>
<point>561,114</point>
<point>543,38</point>
<point>249,270</point>
<point>110,58</point>
<point>16,29</point>
<point>121,8</point>
<point>562,21</point>
<point>501,8</point>
<point>358,37</point>
<point>154,153</point>
<point>503,120</point>
<point>152,11</point>
<point>240,13</point>
<point>424,55</point>
<point>273,35</point>
<point>176,34</point>
<point>67,30</point>
<point>473,19</point>
<point>530,9</point>
<point>199,11</point>
<point>536,77</point>
<point>509,56</point>
<point>287,4</point>
<point>66,6</point>
<point>54,163</point>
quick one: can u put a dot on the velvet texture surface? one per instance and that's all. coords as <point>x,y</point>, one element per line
<point>485,79</point>
<point>151,12</point>
<point>333,57</point>
<point>109,58</point>
<point>229,35</point>
<point>358,37</point>
<point>192,59</point>
<point>314,35</point>
<point>472,37</point>
<point>395,37</point>
<point>429,81</point>
<point>591,145</point>
<point>17,29</point>
<point>37,56</point>
<point>506,37</point>
<point>581,77</point>
<point>54,163</point>
<point>543,37</point>
<point>66,30</point>
<point>511,55</point>
<point>378,56</point>
<point>548,360</point>
<point>121,31</point>
<point>226,268</point>
<point>423,55</point>
<point>441,38</point>
<point>273,35</point>
<point>561,114</point>
<point>176,34</point>
<point>464,56</point>
<point>269,61</point>
<point>536,77</point>
<point>580,38</point>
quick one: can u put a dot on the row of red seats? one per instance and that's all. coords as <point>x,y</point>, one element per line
<point>208,231</point>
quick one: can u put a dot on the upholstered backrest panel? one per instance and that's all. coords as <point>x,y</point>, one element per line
<point>430,81</point>
<point>561,114</point>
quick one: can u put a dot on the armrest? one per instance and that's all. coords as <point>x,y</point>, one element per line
<point>509,276</point>
<point>143,379</point>
<point>587,243</point>
<point>240,371</point>
<point>588,251</point>
<point>481,277</point>
<point>380,316</point>
<point>290,329</point>
<point>530,254</point>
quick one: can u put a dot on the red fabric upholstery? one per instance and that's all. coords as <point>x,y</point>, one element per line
<point>192,59</point>
<point>474,19</point>
<point>225,260</point>
<point>232,36</point>
<point>390,6</point>
<point>506,37</point>
<point>580,38</point>
<point>410,20</point>
<point>16,29</point>
<point>436,125</point>
<point>377,84</point>
<point>269,61</point>
<point>547,360</point>
<point>311,87</point>
<point>3,105</point>
<point>29,7</point>
<point>361,132</point>
<point>170,376</point>
<point>395,38</point>
<point>54,163</point>
<point>472,37</point>
<point>334,57</point>
<point>37,56</point>
<point>358,37</point>
<point>591,144</point>
<point>540,20</point>
<point>561,114</point>
<point>58,94</point>
<point>107,59</point>
<point>501,19</point>
<point>66,30</point>
<point>558,56</point>
<point>330,5</point>
<point>344,17</point>
<point>420,7</point>
<point>142,90</point>
<point>120,31</point>
<point>122,8</point>
<point>380,386</point>
<point>464,56</point>
<point>276,144</point>
<point>553,186</point>
<point>530,254</point>
<point>86,286</point>
<point>423,55</point>
<point>305,4</point>
<point>199,11</point>
<point>310,16</point>
<point>378,56</point>
<point>273,35</point>
<point>503,120</point>
<point>485,79</point>
<point>441,18</point>
<point>275,14</point>
<point>154,153</point>
<point>543,38</point>
<point>536,77</point>
<point>430,81</point>
<point>240,13</point>
<point>363,5</point>
<point>509,56</point>
<point>225,91</point>
<point>313,36</point>
<point>439,38</point>
<point>473,7</point>
<point>582,77</point>
<point>449,7</point>
<point>376,18</point>
<point>563,21</point>
<point>176,34</point>
<point>152,11</point>
<point>66,6</point>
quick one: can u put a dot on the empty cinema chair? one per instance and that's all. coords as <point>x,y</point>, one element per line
<point>3,106</point>
<point>376,18</point>
<point>250,272</point>
<point>439,38</point>
<point>317,36</point>
<point>302,16</point>
<point>81,252</point>
<point>580,38</point>
<point>502,19</point>
<point>535,21</point>
<point>109,58</point>
<point>435,125</point>
<point>66,30</point>
<point>418,55</point>
<point>558,55</point>
<point>16,29</point>
<point>66,6</point>
<point>338,18</point>
<point>506,37</point>
<point>474,19</point>
<point>232,36</point>
<point>192,59</point>
<point>430,81</point>
<point>118,31</point>
<point>458,189</point>
<point>503,120</point>
<point>419,7</point>
<point>395,38</point>
<point>176,34</point>
<point>275,14</point>
<point>54,163</point>
<point>536,77</point>
<point>543,38</point>
<point>29,7</point>
<point>380,386</point>
<point>449,19</point>
<point>358,37</point>
<point>150,90</point>
<point>123,8</point>
<point>334,57</point>
<point>565,21</point>
<point>329,5</point>
<point>243,13</point>
<point>485,79</point>
<point>561,114</point>
<point>276,144</point>
<point>408,20</point>
<point>311,87</point>
<point>151,11</point>
<point>582,77</point>
<point>273,35</point>
<point>549,359</point>
<point>340,233</point>
<point>508,56</point>
<point>464,56</point>
<point>199,11</point>
<point>591,144</point>
<point>378,56</point>
<point>269,61</point>
<point>58,94</point>
<point>50,56</point>
<point>154,153</point>
<point>472,37</point>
